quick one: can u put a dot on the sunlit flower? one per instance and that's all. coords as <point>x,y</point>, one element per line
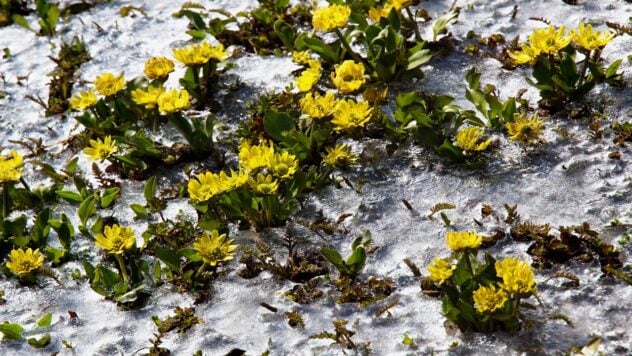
<point>548,40</point>
<point>470,139</point>
<point>158,68</point>
<point>525,130</point>
<point>461,240</point>
<point>590,40</point>
<point>173,100</point>
<point>264,184</point>
<point>348,76</point>
<point>376,13</point>
<point>214,248</point>
<point>318,106</point>
<point>101,149</point>
<point>331,17</point>
<point>109,84</point>
<point>302,57</point>
<point>204,187</point>
<point>83,100</point>
<point>489,299</point>
<point>11,167</point>
<point>283,165</point>
<point>400,4</point>
<point>24,262</point>
<point>198,54</point>
<point>252,157</point>
<point>309,77</point>
<point>149,97</point>
<point>350,114</point>
<point>116,239</point>
<point>339,156</point>
<point>527,55</point>
<point>517,276</point>
<point>440,270</point>
<point>233,180</point>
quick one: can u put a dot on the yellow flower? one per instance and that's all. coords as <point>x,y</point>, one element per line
<point>236,179</point>
<point>517,276</point>
<point>264,184</point>
<point>158,68</point>
<point>108,84</point>
<point>149,97</point>
<point>83,100</point>
<point>173,101</point>
<point>348,76</point>
<point>302,57</point>
<point>204,187</point>
<point>440,270</point>
<point>469,139</point>
<point>528,55</point>
<point>461,240</point>
<point>339,156</point>
<point>488,299</point>
<point>548,40</point>
<point>11,167</point>
<point>350,114</point>
<point>318,106</point>
<point>400,4</point>
<point>525,130</point>
<point>331,17</point>
<point>100,150</point>
<point>590,40</point>
<point>376,13</point>
<point>116,239</point>
<point>283,165</point>
<point>23,263</point>
<point>214,248</point>
<point>254,157</point>
<point>198,54</point>
<point>309,77</point>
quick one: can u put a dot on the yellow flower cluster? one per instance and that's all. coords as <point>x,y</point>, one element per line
<point>11,167</point>
<point>214,248</point>
<point>517,276</point>
<point>199,54</point>
<point>318,106</point>
<point>461,240</point>
<point>525,130</point>
<point>116,239</point>
<point>350,114</point>
<point>281,165</point>
<point>331,18</point>
<point>348,76</point>
<point>470,139</point>
<point>158,68</point>
<point>24,262</point>
<point>108,84</point>
<point>83,100</point>
<point>173,100</point>
<point>101,149</point>
<point>148,97</point>
<point>309,77</point>
<point>440,270</point>
<point>489,299</point>
<point>589,40</point>
<point>339,156</point>
<point>302,57</point>
<point>375,13</point>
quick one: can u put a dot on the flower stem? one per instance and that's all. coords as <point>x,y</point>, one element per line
<point>24,184</point>
<point>413,23</point>
<point>121,263</point>
<point>200,270</point>
<point>346,45</point>
<point>5,200</point>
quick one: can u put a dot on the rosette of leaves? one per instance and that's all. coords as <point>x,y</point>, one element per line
<point>355,262</point>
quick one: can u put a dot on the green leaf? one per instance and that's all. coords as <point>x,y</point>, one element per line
<point>613,68</point>
<point>41,342</point>
<point>140,210</point>
<point>150,188</point>
<point>41,229</point>
<point>170,258</point>
<point>20,20</point>
<point>109,196</point>
<point>86,210</point>
<point>276,123</point>
<point>335,259</point>
<point>285,32</point>
<point>357,260</point>
<point>442,23</point>
<point>11,331</point>
<point>419,58</point>
<point>191,254</point>
<point>45,320</point>
<point>69,196</point>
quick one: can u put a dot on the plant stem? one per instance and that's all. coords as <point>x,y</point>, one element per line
<point>466,255</point>
<point>413,22</point>
<point>584,68</point>
<point>24,184</point>
<point>5,200</point>
<point>121,263</point>
<point>200,270</point>
<point>346,45</point>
